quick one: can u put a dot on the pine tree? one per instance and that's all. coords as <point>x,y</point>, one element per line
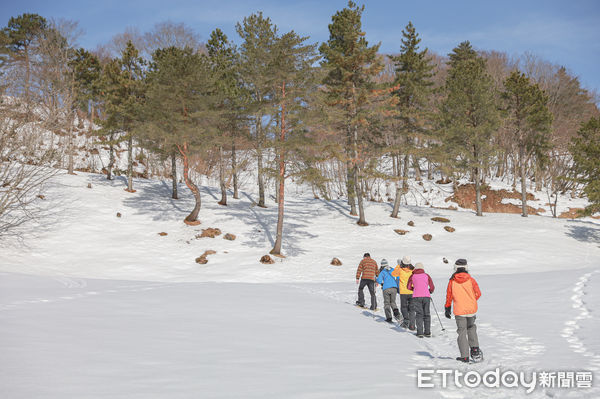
<point>123,85</point>
<point>256,60</point>
<point>224,62</point>
<point>585,149</point>
<point>294,75</point>
<point>179,108</point>
<point>87,70</point>
<point>411,91</point>
<point>18,36</point>
<point>529,121</point>
<point>469,115</point>
<point>351,66</point>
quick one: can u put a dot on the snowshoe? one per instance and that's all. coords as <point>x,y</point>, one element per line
<point>404,324</point>
<point>420,335</point>
<point>360,305</point>
<point>463,359</point>
<point>476,354</point>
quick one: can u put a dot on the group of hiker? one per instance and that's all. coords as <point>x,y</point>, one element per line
<point>415,288</point>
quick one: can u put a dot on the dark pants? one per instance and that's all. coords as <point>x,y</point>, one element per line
<point>389,302</point>
<point>406,307</point>
<point>361,296</point>
<point>421,306</point>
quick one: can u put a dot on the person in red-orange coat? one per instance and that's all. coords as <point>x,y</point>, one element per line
<point>463,291</point>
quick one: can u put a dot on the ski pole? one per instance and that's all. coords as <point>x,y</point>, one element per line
<point>438,316</point>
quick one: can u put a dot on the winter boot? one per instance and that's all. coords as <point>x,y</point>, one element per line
<point>428,335</point>
<point>476,354</point>
<point>412,327</point>
<point>362,305</point>
<point>396,315</point>
<point>420,335</point>
<point>463,359</point>
<point>389,320</point>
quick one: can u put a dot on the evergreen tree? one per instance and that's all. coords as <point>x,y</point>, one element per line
<point>585,149</point>
<point>469,115</point>
<point>224,62</point>
<point>256,62</point>
<point>87,70</point>
<point>123,86</point>
<point>352,65</point>
<point>410,95</point>
<point>529,121</point>
<point>179,108</point>
<point>294,75</point>
<point>17,38</point>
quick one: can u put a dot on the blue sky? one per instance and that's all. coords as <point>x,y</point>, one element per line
<point>563,32</point>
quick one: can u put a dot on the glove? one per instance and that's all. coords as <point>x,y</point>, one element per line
<point>448,309</point>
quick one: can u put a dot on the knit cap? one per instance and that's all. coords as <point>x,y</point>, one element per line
<point>461,263</point>
<point>419,266</point>
<point>385,264</point>
<point>405,261</point>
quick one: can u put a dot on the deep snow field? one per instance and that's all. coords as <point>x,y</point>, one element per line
<point>92,305</point>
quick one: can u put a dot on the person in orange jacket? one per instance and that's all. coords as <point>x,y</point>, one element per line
<point>463,291</point>
<point>404,270</point>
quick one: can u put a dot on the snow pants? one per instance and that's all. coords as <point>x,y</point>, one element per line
<point>423,317</point>
<point>467,334</point>
<point>406,307</point>
<point>370,284</point>
<point>389,302</point>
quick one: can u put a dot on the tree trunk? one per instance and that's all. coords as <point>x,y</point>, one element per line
<point>91,125</point>
<point>405,173</point>
<point>417,169</point>
<point>515,174</point>
<point>359,195</point>
<point>351,187</point>
<point>192,218</point>
<point>234,169</point>
<point>259,155</point>
<point>222,178</point>
<point>429,170</point>
<point>397,201</point>
<point>523,182</point>
<point>70,168</point>
<point>478,192</point>
<point>174,175</point>
<point>280,193</point>
<point>130,164</point>
<point>538,178</point>
<point>111,158</point>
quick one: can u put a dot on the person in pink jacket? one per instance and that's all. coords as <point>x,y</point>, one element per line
<point>422,287</point>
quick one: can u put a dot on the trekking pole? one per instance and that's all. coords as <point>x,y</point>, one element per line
<point>438,316</point>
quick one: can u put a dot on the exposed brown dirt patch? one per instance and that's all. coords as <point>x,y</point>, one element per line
<point>464,196</point>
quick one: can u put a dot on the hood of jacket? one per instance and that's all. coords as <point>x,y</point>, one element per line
<point>461,277</point>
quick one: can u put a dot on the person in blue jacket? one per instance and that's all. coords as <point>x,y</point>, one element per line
<point>390,286</point>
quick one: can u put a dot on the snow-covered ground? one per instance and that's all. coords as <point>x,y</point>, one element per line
<point>100,306</point>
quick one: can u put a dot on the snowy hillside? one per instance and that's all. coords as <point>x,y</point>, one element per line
<point>96,305</point>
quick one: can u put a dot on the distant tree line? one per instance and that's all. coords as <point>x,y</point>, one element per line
<point>336,116</point>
